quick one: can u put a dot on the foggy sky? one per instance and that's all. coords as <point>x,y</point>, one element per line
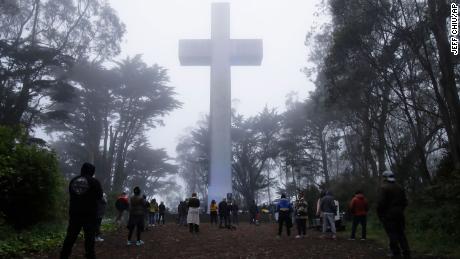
<point>154,28</point>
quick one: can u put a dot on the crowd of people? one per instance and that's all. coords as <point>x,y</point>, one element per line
<point>87,206</point>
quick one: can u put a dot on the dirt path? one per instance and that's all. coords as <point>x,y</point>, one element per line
<point>247,241</point>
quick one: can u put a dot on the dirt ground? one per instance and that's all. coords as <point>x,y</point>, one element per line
<point>247,241</point>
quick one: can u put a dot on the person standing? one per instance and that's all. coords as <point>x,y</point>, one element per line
<point>193,215</point>
<point>253,210</point>
<point>301,212</point>
<point>391,204</point>
<point>101,208</point>
<point>284,209</point>
<point>223,210</point>
<point>122,206</point>
<point>161,211</point>
<point>152,213</point>
<point>154,209</point>
<point>184,212</point>
<point>235,213</point>
<point>136,216</point>
<point>85,192</point>
<point>328,209</point>
<point>359,208</point>
<point>146,212</point>
<point>213,212</point>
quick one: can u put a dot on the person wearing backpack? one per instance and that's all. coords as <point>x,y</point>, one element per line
<point>85,192</point>
<point>301,212</point>
<point>122,206</point>
<point>136,216</point>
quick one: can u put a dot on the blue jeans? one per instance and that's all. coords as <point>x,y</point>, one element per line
<point>329,220</point>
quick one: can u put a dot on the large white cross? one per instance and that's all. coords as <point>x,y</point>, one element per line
<point>220,52</point>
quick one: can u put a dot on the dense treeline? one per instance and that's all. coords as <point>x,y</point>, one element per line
<point>59,75</point>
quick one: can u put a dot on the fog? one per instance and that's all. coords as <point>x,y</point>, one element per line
<point>153,28</point>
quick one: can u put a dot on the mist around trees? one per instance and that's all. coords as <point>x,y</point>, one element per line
<point>61,73</point>
<point>386,98</point>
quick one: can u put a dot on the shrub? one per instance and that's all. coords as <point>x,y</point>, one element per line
<point>31,188</point>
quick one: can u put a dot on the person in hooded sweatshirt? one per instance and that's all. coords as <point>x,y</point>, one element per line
<point>328,209</point>
<point>391,204</point>
<point>136,216</point>
<point>284,209</point>
<point>85,193</point>
<point>359,208</point>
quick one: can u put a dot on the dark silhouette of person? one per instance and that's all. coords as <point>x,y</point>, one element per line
<point>390,210</point>
<point>359,208</point>
<point>223,214</point>
<point>85,193</point>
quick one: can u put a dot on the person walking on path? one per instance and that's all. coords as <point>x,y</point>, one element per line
<point>391,204</point>
<point>101,208</point>
<point>122,206</point>
<point>213,212</point>
<point>136,216</point>
<point>193,216</point>
<point>85,192</point>
<point>301,212</point>
<point>284,209</point>
<point>161,213</point>
<point>359,208</point>
<point>328,209</point>
<point>223,211</point>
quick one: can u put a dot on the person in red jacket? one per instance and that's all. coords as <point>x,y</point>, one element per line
<point>359,208</point>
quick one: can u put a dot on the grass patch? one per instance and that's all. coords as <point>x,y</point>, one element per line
<point>421,242</point>
<point>41,238</point>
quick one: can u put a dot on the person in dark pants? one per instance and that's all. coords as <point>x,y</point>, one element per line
<point>359,208</point>
<point>136,216</point>
<point>213,212</point>
<point>193,214</point>
<point>284,209</point>
<point>101,207</point>
<point>223,214</point>
<point>85,192</point>
<point>235,213</point>
<point>162,210</point>
<point>390,210</point>
<point>253,210</point>
<point>301,210</point>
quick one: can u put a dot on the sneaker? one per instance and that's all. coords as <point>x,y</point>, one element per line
<point>139,242</point>
<point>298,236</point>
<point>98,239</point>
<point>129,242</point>
<point>351,239</point>
<point>363,239</point>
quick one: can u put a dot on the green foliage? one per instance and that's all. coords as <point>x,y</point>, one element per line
<point>433,218</point>
<point>30,183</point>
<point>38,239</point>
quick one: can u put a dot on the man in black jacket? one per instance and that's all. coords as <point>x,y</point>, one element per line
<point>85,192</point>
<point>390,209</point>
<point>223,213</point>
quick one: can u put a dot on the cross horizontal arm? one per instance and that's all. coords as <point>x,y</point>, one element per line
<point>246,52</point>
<point>195,52</point>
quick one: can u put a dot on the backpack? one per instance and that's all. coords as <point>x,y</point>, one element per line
<point>121,204</point>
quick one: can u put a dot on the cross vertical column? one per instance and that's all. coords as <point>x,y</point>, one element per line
<point>220,113</point>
